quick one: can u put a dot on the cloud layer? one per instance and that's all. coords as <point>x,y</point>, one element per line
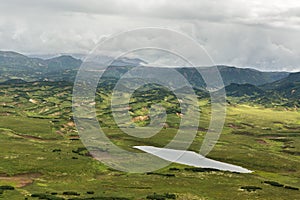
<point>259,34</point>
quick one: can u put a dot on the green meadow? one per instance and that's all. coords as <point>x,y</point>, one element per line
<point>42,157</point>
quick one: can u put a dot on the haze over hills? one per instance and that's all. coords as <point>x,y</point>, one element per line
<point>236,75</point>
<point>248,85</point>
<point>14,65</point>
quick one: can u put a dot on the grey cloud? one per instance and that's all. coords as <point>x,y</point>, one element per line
<point>210,10</point>
<point>260,34</point>
<point>229,11</point>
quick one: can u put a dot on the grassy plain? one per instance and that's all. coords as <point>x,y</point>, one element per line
<point>42,157</point>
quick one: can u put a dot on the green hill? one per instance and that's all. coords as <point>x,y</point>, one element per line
<point>288,87</point>
<point>17,66</point>
<point>239,90</point>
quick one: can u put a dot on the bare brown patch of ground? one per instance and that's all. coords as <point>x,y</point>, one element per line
<point>59,133</point>
<point>202,129</point>
<point>21,180</point>
<point>234,126</point>
<point>33,137</point>
<point>261,141</point>
<point>140,118</point>
<point>18,135</point>
<point>249,125</point>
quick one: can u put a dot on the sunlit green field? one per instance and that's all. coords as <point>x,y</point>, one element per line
<point>42,158</point>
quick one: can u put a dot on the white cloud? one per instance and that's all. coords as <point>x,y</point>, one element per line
<point>261,34</point>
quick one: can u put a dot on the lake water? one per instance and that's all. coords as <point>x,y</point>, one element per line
<point>191,158</point>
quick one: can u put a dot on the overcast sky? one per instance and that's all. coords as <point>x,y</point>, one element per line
<point>261,34</point>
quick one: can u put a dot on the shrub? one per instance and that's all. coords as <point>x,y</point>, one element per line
<point>100,198</point>
<point>54,198</point>
<point>6,187</point>
<point>71,193</point>
<point>251,188</point>
<point>46,196</point>
<point>291,188</point>
<point>196,169</point>
<point>160,174</point>
<point>81,151</point>
<point>174,169</point>
<point>170,196</point>
<point>40,196</point>
<point>74,139</point>
<point>155,196</point>
<point>273,183</point>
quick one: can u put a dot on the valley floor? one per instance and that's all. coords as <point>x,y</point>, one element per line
<point>41,156</point>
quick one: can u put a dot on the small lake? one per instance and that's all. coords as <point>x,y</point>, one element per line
<point>191,158</point>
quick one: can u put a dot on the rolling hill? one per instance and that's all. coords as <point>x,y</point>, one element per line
<point>288,87</point>
<point>243,84</point>
<point>63,68</point>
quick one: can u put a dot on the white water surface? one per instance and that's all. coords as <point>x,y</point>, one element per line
<point>191,158</point>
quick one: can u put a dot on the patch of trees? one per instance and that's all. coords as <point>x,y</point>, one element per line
<point>5,187</point>
<point>197,169</point>
<point>165,196</point>
<point>276,184</point>
<point>46,196</point>
<point>160,174</point>
<point>251,188</point>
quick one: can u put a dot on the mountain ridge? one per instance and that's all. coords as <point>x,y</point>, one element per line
<point>241,84</point>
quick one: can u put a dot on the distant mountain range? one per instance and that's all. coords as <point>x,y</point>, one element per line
<point>15,65</point>
<point>283,92</point>
<point>243,83</point>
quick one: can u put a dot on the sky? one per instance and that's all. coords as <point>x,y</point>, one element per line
<point>261,34</point>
